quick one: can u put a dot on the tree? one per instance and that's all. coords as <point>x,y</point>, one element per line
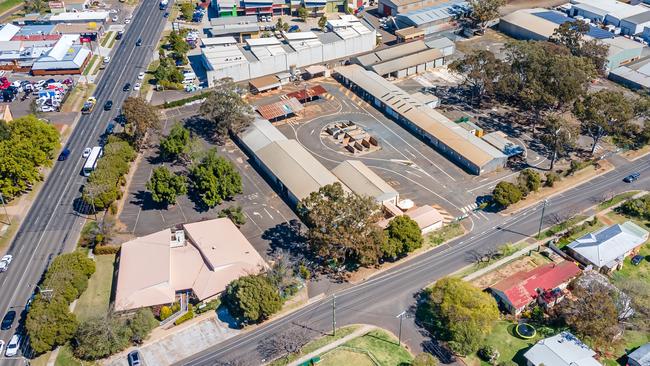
<point>559,136</point>
<point>226,110</point>
<point>235,214</point>
<point>252,298</point>
<point>68,275</point>
<point>322,22</point>
<point>215,179</point>
<point>281,26</point>
<point>140,117</point>
<point>187,11</point>
<point>481,69</point>
<point>35,6</point>
<point>98,232</point>
<point>425,359</point>
<point>484,11</point>
<point>101,337</point>
<point>165,185</point>
<point>282,343</point>
<point>637,290</point>
<point>592,313</point>
<point>49,323</point>
<point>342,226</point>
<point>603,113</point>
<point>459,313</point>
<point>141,324</point>
<point>506,194</point>
<point>404,236</point>
<point>177,43</point>
<point>167,73</point>
<point>303,13</point>
<point>529,181</point>
<point>281,273</point>
<point>176,144</point>
<point>572,36</point>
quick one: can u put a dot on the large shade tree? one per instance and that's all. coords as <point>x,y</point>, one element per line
<point>226,111</point>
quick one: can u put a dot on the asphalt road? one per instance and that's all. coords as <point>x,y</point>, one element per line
<point>54,221</point>
<point>379,300</point>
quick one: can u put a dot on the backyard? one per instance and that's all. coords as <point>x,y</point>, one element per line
<point>94,302</point>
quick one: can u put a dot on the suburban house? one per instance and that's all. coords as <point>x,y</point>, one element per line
<point>546,284</point>
<point>563,349</point>
<point>640,356</point>
<point>606,248</point>
<point>199,259</point>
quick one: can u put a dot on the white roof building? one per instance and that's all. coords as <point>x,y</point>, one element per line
<point>65,55</point>
<point>8,32</point>
<point>80,16</point>
<point>563,349</point>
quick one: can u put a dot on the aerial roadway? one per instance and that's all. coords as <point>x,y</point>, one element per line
<point>380,299</point>
<point>54,221</point>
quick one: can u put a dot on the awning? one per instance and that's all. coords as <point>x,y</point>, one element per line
<point>279,109</point>
<point>265,83</point>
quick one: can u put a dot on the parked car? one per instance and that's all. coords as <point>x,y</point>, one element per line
<point>141,75</point>
<point>110,128</point>
<point>8,320</point>
<point>127,87</point>
<point>13,346</point>
<point>119,35</point>
<point>86,153</point>
<point>107,59</point>
<point>64,154</point>
<point>134,358</point>
<point>108,105</point>
<point>166,15</point>
<point>632,177</point>
<point>637,259</point>
<point>137,86</point>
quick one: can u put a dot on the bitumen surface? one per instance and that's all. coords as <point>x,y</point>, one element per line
<point>54,221</point>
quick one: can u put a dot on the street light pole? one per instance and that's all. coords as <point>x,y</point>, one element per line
<point>541,220</point>
<point>4,206</point>
<point>399,334</point>
<point>334,315</point>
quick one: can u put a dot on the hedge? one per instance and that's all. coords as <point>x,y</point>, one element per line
<point>185,317</point>
<point>106,249</point>
<point>209,306</point>
<point>181,102</point>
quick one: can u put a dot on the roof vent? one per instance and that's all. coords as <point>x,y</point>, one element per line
<point>178,239</point>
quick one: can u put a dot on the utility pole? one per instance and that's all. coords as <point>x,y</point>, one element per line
<point>5,208</point>
<point>399,336</point>
<point>541,220</point>
<point>334,315</point>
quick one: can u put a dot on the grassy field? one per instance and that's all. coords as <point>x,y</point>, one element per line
<point>95,300</point>
<point>340,356</point>
<point>316,344</point>
<point>66,358</point>
<point>447,232</point>
<point>383,347</point>
<point>510,346</point>
<point>6,5</point>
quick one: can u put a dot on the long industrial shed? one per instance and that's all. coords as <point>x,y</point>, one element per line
<point>457,144</point>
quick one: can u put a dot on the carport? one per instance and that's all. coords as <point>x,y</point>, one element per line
<point>280,110</point>
<point>264,83</point>
<point>309,94</point>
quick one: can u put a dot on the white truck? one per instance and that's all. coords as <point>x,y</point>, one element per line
<point>163,4</point>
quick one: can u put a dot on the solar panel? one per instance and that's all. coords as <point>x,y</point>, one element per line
<point>559,18</point>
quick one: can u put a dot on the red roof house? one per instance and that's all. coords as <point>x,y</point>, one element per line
<point>544,283</point>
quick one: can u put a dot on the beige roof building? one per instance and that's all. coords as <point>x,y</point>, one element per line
<point>364,182</point>
<point>202,257</point>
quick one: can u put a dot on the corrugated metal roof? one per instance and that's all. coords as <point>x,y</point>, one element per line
<point>435,13</point>
<point>265,82</point>
<point>527,20</point>
<point>295,167</point>
<point>310,92</point>
<point>280,109</point>
<point>391,53</point>
<point>363,181</point>
<point>260,134</point>
<point>428,120</point>
<point>404,62</point>
<point>559,19</point>
<point>640,18</point>
<point>8,32</point>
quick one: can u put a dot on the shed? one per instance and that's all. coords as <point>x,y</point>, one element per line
<point>364,182</point>
<point>279,110</point>
<point>427,99</point>
<point>264,83</point>
<point>472,128</point>
<point>640,356</point>
<point>259,134</point>
<point>308,94</point>
<point>316,71</point>
<point>500,141</point>
<point>409,34</point>
<point>427,217</point>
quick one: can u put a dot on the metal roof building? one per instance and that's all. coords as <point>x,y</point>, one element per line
<point>434,18</point>
<point>364,182</point>
<point>635,76</point>
<point>459,145</point>
<point>64,58</point>
<point>402,60</point>
<point>562,349</point>
<point>605,11</point>
<point>260,134</point>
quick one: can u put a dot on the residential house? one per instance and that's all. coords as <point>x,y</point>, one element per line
<point>563,349</point>
<point>606,248</point>
<point>545,284</point>
<point>640,356</point>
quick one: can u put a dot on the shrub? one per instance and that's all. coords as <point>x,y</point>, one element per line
<point>176,307</point>
<point>208,306</point>
<point>404,236</point>
<point>529,181</point>
<point>304,272</point>
<point>488,353</point>
<point>506,194</point>
<point>235,214</point>
<point>106,249</point>
<point>141,324</point>
<point>185,317</point>
<point>252,298</point>
<point>551,178</point>
<point>165,312</point>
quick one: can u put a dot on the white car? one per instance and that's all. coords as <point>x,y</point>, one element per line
<point>141,75</point>
<point>2,346</point>
<point>115,19</point>
<point>86,153</point>
<point>107,59</point>
<point>7,258</point>
<point>13,346</point>
<point>137,86</point>
<point>127,21</point>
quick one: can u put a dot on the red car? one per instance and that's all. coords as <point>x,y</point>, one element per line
<point>4,83</point>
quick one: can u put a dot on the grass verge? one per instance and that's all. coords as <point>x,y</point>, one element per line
<point>383,347</point>
<point>447,232</point>
<point>616,200</point>
<point>315,344</point>
<point>94,302</point>
<point>7,5</point>
<point>90,65</point>
<point>107,37</point>
<point>510,346</point>
<point>66,358</point>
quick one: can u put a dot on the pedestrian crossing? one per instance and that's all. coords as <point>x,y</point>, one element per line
<point>469,208</point>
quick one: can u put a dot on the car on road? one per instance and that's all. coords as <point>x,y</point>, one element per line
<point>141,75</point>
<point>138,42</point>
<point>108,105</point>
<point>86,153</point>
<point>127,87</point>
<point>8,320</point>
<point>134,358</point>
<point>64,154</point>
<point>637,259</point>
<point>13,346</point>
<point>110,128</point>
<point>166,15</point>
<point>127,20</point>
<point>137,86</point>
<point>632,177</point>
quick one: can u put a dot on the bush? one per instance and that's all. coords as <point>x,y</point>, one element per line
<point>551,178</point>
<point>529,181</point>
<point>176,307</point>
<point>404,236</point>
<point>208,306</point>
<point>488,353</point>
<point>425,359</point>
<point>235,214</point>
<point>101,337</point>
<point>252,298</point>
<point>506,194</point>
<point>106,249</point>
<point>185,317</point>
<point>165,312</point>
<point>141,324</point>
<point>304,272</point>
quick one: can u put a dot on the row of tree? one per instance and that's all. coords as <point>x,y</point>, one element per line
<point>343,228</point>
<point>528,180</point>
<point>639,207</point>
<point>26,145</point>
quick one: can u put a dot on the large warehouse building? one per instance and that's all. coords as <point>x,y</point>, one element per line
<point>458,144</point>
<point>539,24</point>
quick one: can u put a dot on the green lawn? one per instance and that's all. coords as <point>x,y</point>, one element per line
<point>383,347</point>
<point>5,5</point>
<point>107,37</point>
<point>90,65</point>
<point>316,344</point>
<point>95,300</point>
<point>510,346</point>
<point>340,356</point>
<point>66,358</point>
<point>616,200</point>
<point>631,340</point>
<point>447,232</point>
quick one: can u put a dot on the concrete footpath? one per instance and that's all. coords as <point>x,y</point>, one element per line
<point>357,333</point>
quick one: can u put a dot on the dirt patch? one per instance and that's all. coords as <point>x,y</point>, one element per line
<point>632,155</point>
<point>526,263</point>
<point>491,40</point>
<point>514,5</point>
<point>578,178</point>
<point>77,97</point>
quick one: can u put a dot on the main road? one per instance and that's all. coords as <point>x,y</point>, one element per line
<point>54,222</point>
<point>380,299</point>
